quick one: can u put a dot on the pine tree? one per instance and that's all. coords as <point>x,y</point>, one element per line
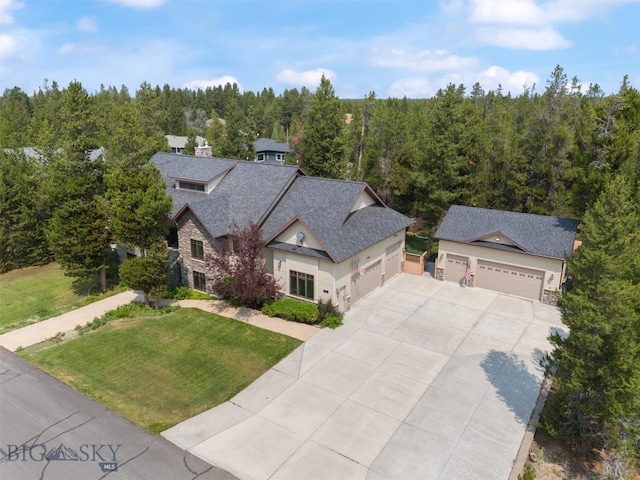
<point>596,397</point>
<point>321,149</point>
<point>23,217</point>
<point>77,233</point>
<point>139,204</point>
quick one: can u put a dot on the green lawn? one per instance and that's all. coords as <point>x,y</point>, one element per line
<point>159,371</point>
<point>33,294</point>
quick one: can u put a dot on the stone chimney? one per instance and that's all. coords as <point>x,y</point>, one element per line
<point>203,150</point>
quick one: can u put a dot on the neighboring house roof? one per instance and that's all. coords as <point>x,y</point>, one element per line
<point>540,235</point>
<point>180,141</point>
<point>33,152</point>
<point>269,145</point>
<point>276,196</point>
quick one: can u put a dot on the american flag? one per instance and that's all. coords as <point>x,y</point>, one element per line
<point>467,274</point>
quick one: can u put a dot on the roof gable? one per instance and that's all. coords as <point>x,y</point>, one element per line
<point>499,238</point>
<point>343,217</point>
<point>541,235</point>
<point>325,206</point>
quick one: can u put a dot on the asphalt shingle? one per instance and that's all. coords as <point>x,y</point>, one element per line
<point>276,195</point>
<point>541,235</point>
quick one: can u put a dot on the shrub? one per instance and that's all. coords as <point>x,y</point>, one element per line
<point>326,308</point>
<point>292,309</point>
<point>328,314</point>
<point>528,473</point>
<point>331,321</point>
<point>130,310</point>
<point>185,293</point>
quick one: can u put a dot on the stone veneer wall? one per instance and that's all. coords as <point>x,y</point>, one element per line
<point>190,228</point>
<point>550,297</point>
<point>175,268</point>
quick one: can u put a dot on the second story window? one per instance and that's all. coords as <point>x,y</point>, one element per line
<point>197,187</point>
<point>197,249</point>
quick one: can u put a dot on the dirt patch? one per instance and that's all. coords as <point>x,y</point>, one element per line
<point>556,462</point>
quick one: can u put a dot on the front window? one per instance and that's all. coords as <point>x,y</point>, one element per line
<point>197,249</point>
<point>301,284</point>
<point>261,157</point>
<point>199,281</point>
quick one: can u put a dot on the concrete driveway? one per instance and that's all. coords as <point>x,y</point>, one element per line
<point>425,379</point>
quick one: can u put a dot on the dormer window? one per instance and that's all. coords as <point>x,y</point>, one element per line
<point>196,187</point>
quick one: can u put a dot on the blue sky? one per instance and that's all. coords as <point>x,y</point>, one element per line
<point>391,47</point>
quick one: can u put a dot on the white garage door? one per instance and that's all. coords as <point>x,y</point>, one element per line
<point>365,282</point>
<point>392,261</point>
<point>510,279</point>
<point>455,267</point>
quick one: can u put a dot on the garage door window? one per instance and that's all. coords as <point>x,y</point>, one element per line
<point>301,284</point>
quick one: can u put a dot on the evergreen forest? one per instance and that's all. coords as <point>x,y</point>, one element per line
<point>561,149</point>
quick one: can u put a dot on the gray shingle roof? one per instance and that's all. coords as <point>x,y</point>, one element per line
<point>269,145</point>
<point>244,194</point>
<point>323,205</point>
<point>277,195</point>
<point>540,235</point>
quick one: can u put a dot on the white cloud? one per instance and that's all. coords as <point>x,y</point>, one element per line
<point>67,48</point>
<point>307,78</point>
<point>214,82</point>
<point>87,24</point>
<point>514,82</point>
<point>526,39</point>
<point>509,12</point>
<point>425,60</point>
<point>8,45</point>
<point>411,88</point>
<point>141,4</point>
<point>489,79</point>
<point>6,6</point>
<point>532,12</point>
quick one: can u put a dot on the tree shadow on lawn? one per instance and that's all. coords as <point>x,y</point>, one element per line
<point>514,384</point>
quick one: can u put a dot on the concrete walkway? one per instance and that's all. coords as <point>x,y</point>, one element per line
<point>301,331</point>
<point>425,380</point>
<point>41,331</point>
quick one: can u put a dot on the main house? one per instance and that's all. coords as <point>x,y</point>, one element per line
<point>325,239</point>
<point>516,253</point>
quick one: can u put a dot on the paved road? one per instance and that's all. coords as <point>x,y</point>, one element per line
<point>50,431</point>
<point>425,380</point>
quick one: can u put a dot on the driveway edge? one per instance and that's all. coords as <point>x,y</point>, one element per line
<point>525,446</point>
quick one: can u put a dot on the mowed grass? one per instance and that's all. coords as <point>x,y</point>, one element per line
<point>159,371</point>
<point>33,294</point>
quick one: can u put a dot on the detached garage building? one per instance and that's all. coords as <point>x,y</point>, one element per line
<point>516,253</point>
